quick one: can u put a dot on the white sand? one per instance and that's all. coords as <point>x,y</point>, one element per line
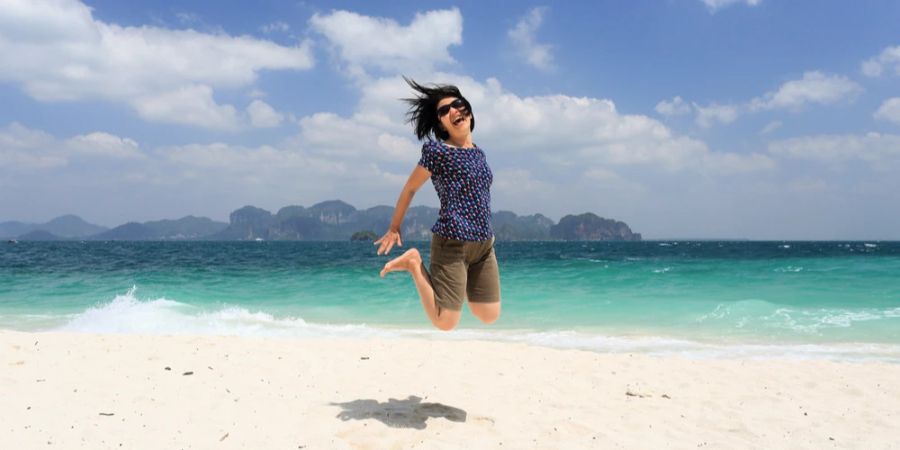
<point>113,391</point>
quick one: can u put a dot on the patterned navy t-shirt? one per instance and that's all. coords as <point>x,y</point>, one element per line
<point>462,179</point>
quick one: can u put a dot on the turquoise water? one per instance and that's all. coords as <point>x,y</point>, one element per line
<point>838,299</point>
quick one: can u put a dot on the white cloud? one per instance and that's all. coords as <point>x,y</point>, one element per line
<point>522,36</point>
<point>807,185</point>
<point>771,126</point>
<point>889,58</point>
<point>57,51</point>
<point>357,137</point>
<point>715,5</point>
<point>580,144</point>
<point>516,181</point>
<point>106,145</point>
<point>275,27</point>
<point>189,105</point>
<point>814,88</point>
<point>889,110</point>
<point>606,179</point>
<point>262,115</point>
<point>25,148</point>
<point>579,132</point>
<point>188,18</point>
<point>675,107</point>
<point>874,148</point>
<point>364,42</point>
<point>712,114</point>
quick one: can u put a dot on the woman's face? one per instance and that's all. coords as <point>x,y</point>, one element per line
<point>455,117</point>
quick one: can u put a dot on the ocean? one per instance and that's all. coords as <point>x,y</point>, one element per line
<point>834,300</point>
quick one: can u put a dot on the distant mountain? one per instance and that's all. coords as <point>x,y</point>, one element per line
<point>329,220</point>
<point>337,220</point>
<point>131,231</point>
<point>68,226</point>
<point>13,229</point>
<point>71,226</point>
<point>189,227</point>
<point>39,235</point>
<point>590,227</point>
<point>510,227</point>
<point>246,223</point>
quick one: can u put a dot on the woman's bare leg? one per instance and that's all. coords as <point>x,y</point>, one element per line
<point>411,261</point>
<point>485,312</point>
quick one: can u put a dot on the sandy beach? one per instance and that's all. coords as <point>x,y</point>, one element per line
<point>130,391</point>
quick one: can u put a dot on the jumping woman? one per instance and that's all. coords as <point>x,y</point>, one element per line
<point>463,264</point>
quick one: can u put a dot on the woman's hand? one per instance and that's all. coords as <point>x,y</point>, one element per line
<point>387,242</point>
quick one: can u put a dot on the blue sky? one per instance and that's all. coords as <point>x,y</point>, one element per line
<point>760,119</point>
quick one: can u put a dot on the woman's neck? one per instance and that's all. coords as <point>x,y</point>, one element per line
<point>461,142</point>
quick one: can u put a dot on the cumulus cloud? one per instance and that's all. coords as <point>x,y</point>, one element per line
<point>275,27</point>
<point>106,145</point>
<point>23,148</point>
<point>581,145</point>
<point>715,5</point>
<point>889,110</point>
<point>580,131</point>
<point>522,36</point>
<point>188,105</point>
<point>888,59</point>
<point>262,115</point>
<point>771,126</point>
<point>610,180</point>
<point>874,148</point>
<point>353,138</point>
<point>712,114</point>
<point>188,18</point>
<point>57,51</point>
<point>363,42</point>
<point>814,88</point>
<point>675,107</point>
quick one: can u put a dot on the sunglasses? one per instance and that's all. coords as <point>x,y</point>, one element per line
<point>460,105</point>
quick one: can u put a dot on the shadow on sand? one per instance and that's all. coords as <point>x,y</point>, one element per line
<point>409,413</point>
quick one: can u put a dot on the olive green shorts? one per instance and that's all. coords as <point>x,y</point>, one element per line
<point>463,269</point>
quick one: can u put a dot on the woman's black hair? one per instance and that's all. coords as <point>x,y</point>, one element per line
<point>423,109</point>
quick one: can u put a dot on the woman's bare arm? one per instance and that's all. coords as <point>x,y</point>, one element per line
<point>416,179</point>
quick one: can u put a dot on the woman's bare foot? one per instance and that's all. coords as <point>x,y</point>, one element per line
<point>409,261</point>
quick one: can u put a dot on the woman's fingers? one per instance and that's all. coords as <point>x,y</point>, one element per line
<point>387,242</point>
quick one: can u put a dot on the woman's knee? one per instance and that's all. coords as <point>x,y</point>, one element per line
<point>446,320</point>
<point>487,313</point>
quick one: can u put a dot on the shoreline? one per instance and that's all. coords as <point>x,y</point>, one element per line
<point>583,339</point>
<point>101,390</point>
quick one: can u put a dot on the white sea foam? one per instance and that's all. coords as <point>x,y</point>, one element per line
<point>789,269</point>
<point>127,314</point>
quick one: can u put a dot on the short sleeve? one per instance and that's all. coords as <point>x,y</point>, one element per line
<point>430,157</point>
